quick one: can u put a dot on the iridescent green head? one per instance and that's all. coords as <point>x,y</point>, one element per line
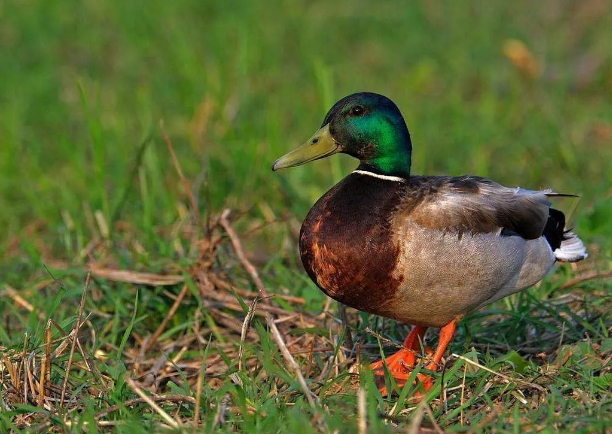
<point>365,125</point>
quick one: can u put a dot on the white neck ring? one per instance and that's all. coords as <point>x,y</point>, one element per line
<point>376,175</point>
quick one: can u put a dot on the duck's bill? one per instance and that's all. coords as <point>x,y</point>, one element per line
<point>321,145</point>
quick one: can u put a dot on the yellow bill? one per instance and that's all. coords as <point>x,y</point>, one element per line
<point>321,145</point>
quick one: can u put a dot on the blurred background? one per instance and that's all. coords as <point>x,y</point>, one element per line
<point>520,92</point>
<point>517,91</point>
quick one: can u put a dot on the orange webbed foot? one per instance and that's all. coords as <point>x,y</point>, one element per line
<point>399,364</point>
<point>423,380</point>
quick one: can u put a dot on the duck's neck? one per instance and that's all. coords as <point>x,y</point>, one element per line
<point>393,157</point>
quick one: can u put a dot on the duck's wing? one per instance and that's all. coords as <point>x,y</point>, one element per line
<point>474,205</point>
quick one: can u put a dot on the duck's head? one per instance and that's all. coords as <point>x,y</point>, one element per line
<point>365,125</point>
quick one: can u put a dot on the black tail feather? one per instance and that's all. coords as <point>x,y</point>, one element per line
<point>554,231</point>
<point>552,194</point>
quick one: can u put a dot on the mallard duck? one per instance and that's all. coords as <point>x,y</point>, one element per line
<point>423,250</point>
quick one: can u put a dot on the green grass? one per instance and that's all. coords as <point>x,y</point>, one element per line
<point>85,178</point>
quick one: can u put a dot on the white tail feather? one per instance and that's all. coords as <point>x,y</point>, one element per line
<point>572,249</point>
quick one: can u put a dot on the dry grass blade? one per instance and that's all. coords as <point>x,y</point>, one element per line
<point>196,415</point>
<point>3,406</point>
<point>246,264</point>
<point>77,326</point>
<point>521,58</point>
<point>384,339</point>
<point>131,402</point>
<point>417,419</point>
<point>362,423</point>
<point>44,365</point>
<point>59,350</point>
<point>29,365</point>
<point>25,369</point>
<point>348,337</point>
<point>134,277</point>
<point>179,171</point>
<point>12,372</point>
<point>585,277</point>
<point>390,342</point>
<point>14,295</point>
<point>462,399</point>
<point>432,418</point>
<point>246,293</point>
<point>276,336</point>
<point>151,402</point>
<point>246,325</point>
<point>502,376</point>
<point>220,413</point>
<point>160,329</point>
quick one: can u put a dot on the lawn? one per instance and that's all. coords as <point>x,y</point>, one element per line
<point>140,217</point>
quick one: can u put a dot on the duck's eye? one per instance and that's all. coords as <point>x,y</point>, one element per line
<point>358,110</point>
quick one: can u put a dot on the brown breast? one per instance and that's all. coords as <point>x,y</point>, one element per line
<point>347,244</point>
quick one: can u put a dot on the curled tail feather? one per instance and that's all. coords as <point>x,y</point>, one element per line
<point>571,249</point>
<point>566,246</point>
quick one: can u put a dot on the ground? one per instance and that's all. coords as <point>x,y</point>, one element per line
<point>124,283</point>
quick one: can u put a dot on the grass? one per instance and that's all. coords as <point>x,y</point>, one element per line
<point>86,181</point>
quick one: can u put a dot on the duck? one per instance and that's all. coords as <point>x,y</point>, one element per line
<point>421,250</point>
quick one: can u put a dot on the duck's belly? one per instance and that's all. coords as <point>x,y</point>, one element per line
<point>446,277</point>
<point>423,276</point>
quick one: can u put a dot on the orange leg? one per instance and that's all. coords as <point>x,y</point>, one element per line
<point>400,362</point>
<point>446,335</point>
<point>404,358</point>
